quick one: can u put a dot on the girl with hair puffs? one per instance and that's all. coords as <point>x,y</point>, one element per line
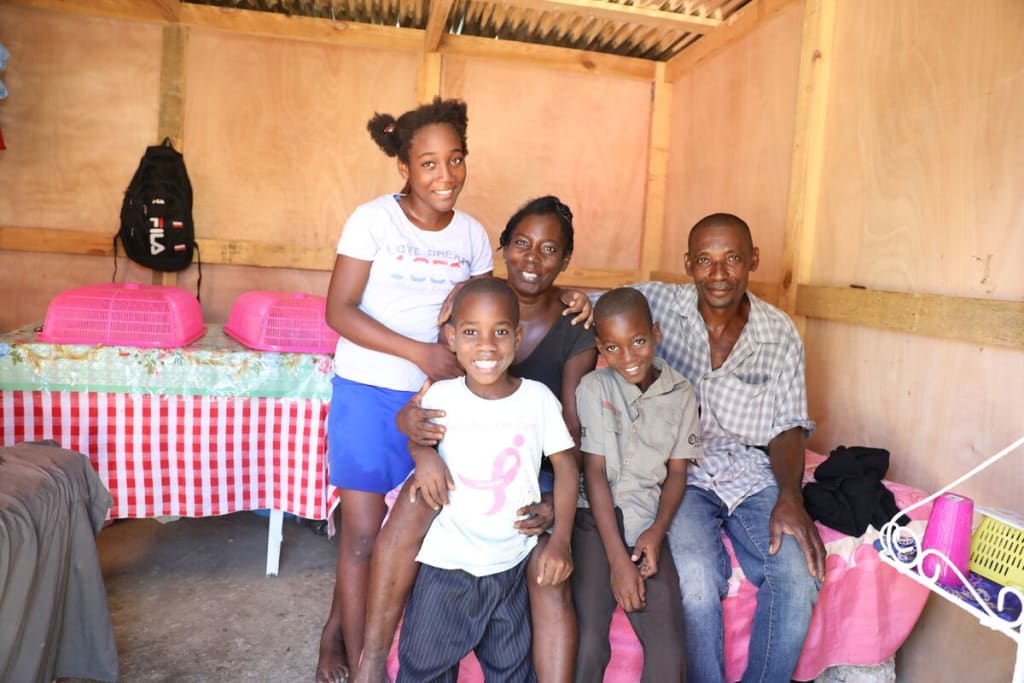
<point>399,256</point>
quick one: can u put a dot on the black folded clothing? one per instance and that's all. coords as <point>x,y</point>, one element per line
<point>848,494</point>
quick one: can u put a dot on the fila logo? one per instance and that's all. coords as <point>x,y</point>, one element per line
<point>156,233</point>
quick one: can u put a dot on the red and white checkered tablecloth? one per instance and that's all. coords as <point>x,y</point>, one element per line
<point>192,456</point>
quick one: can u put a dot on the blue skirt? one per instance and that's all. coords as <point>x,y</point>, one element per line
<point>365,450</point>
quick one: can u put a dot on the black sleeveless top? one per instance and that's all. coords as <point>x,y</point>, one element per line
<point>547,362</point>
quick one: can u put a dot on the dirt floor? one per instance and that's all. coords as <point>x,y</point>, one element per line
<point>190,600</point>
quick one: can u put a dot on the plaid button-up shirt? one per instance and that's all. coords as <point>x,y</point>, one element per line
<point>758,392</point>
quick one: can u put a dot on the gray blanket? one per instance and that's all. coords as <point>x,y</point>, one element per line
<point>54,620</point>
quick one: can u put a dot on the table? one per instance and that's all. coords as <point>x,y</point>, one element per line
<point>207,429</point>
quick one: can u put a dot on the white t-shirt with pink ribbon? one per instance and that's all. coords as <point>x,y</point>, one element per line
<point>493,449</point>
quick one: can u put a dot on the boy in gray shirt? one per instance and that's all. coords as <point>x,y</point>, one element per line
<point>639,429</point>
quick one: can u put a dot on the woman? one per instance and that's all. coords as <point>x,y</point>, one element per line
<point>536,245</point>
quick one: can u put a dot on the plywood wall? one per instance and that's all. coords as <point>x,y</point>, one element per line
<point>277,147</point>
<point>536,131</point>
<point>731,140</point>
<point>83,104</point>
<point>923,154</point>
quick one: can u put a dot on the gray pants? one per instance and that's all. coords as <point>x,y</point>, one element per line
<point>659,626</point>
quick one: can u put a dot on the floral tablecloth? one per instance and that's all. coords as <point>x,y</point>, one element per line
<point>215,365</point>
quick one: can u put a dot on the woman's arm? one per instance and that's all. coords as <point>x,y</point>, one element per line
<point>573,371</point>
<point>348,282</point>
<point>556,558</point>
<point>539,516</point>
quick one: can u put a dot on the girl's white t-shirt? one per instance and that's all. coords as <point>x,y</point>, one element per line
<point>413,270</point>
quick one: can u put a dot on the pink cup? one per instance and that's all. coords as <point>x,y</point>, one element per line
<point>949,532</point>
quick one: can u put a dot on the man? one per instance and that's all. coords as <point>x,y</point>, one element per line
<point>746,362</point>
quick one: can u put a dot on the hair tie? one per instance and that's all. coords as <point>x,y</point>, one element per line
<point>389,129</point>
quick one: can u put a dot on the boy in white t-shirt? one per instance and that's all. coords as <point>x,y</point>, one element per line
<point>470,593</point>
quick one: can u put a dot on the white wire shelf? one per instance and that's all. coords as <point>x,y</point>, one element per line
<point>901,549</point>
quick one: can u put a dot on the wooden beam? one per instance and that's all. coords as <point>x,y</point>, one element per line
<point>808,150</point>
<point>212,251</point>
<point>587,278</point>
<point>625,14</point>
<point>428,77</point>
<point>436,22</point>
<point>135,10</point>
<point>54,241</point>
<point>171,122</point>
<point>302,28</point>
<point>171,9</point>
<point>264,255</point>
<point>657,174</point>
<point>740,24</point>
<point>579,61</point>
<point>766,291</point>
<point>977,321</point>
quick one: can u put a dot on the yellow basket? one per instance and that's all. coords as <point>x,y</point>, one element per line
<point>997,552</point>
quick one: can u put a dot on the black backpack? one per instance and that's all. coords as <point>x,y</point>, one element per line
<point>156,215</point>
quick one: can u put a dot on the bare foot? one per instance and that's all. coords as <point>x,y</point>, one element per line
<point>332,666</point>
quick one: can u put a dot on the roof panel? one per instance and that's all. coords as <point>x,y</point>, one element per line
<point>647,29</point>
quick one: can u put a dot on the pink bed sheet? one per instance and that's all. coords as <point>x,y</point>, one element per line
<point>865,610</point>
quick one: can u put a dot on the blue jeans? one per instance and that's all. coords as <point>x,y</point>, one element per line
<point>786,593</point>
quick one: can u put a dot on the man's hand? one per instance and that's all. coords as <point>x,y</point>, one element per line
<point>414,421</point>
<point>431,477</point>
<point>555,564</point>
<point>577,305</point>
<point>541,516</point>
<point>647,552</point>
<point>790,517</point>
<point>627,585</point>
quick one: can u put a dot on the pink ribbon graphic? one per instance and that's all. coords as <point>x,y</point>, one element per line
<point>503,473</point>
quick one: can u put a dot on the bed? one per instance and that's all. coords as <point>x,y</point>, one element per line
<point>54,620</point>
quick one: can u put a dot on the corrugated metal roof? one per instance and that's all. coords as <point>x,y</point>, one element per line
<point>655,30</point>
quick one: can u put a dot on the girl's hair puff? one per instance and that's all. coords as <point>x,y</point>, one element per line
<point>549,205</point>
<point>394,136</point>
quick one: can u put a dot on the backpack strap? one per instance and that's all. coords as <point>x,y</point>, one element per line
<point>199,267</point>
<point>113,278</point>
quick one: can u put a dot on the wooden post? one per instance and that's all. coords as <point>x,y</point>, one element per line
<point>808,150</point>
<point>171,121</point>
<point>657,174</point>
<point>428,77</point>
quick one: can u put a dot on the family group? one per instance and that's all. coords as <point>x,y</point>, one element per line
<point>539,492</point>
